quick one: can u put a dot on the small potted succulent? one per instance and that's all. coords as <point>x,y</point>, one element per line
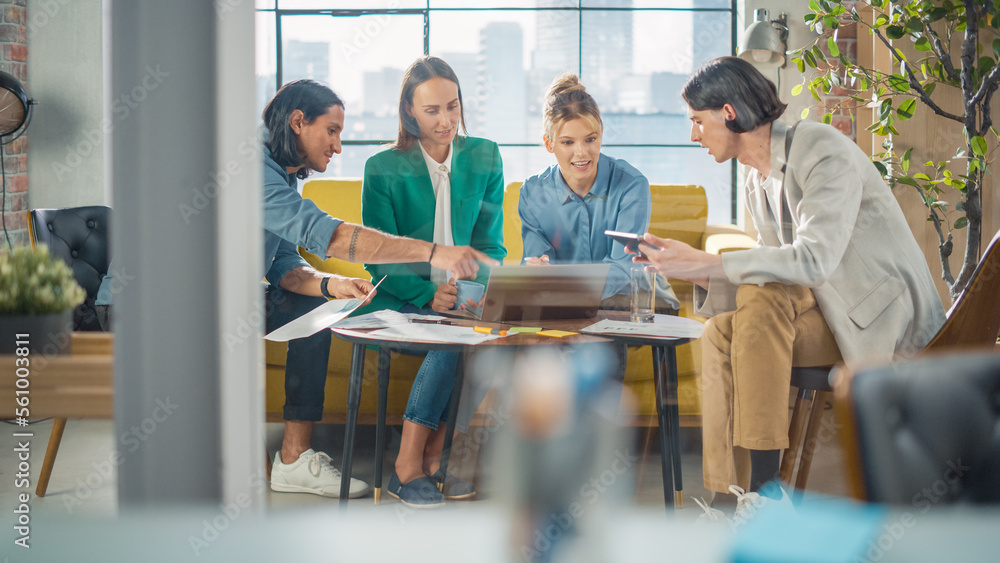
<point>37,297</point>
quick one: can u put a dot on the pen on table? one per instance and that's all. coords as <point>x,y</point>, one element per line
<point>488,330</point>
<point>432,322</point>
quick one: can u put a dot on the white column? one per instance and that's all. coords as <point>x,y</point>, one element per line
<point>185,176</point>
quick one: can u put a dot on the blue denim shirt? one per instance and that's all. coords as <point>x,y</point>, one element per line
<point>290,221</point>
<point>570,229</point>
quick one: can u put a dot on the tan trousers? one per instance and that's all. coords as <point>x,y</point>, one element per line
<point>747,359</point>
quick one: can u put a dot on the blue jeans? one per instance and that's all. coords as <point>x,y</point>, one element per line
<point>431,391</point>
<point>307,359</point>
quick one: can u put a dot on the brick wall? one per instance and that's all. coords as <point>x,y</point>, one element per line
<point>14,60</point>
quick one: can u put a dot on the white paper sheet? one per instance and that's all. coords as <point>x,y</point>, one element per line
<point>426,333</point>
<point>664,326</point>
<point>375,319</point>
<point>319,318</point>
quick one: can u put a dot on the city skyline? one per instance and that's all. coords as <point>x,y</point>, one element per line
<point>504,62</point>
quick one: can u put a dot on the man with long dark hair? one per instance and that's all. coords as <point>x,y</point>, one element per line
<point>304,121</point>
<point>836,274</point>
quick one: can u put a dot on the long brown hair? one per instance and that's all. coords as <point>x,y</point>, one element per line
<point>566,100</point>
<point>313,99</point>
<point>422,70</point>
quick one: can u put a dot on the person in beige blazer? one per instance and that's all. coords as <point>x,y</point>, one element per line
<point>836,273</point>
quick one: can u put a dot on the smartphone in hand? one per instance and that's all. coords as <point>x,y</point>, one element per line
<point>630,240</point>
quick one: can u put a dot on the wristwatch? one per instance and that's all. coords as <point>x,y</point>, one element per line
<point>323,289</point>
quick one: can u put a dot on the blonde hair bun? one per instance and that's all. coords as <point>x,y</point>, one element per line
<point>566,99</point>
<point>565,84</point>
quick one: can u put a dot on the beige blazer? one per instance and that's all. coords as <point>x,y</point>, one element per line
<point>841,233</point>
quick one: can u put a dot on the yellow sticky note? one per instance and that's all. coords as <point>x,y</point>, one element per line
<point>557,333</point>
<point>526,329</point>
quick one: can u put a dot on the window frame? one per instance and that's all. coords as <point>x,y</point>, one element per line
<point>425,12</point>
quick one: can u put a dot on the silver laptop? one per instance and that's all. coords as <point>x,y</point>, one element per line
<point>526,294</point>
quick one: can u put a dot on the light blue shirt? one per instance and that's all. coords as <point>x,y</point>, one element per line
<point>569,229</point>
<point>290,221</point>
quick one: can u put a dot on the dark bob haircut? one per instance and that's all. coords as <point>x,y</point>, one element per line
<point>730,80</point>
<point>314,99</point>
<point>422,70</point>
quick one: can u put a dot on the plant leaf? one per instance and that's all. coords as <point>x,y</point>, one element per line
<point>804,114</point>
<point>961,222</point>
<point>898,83</point>
<point>906,109</point>
<point>831,43</point>
<point>978,145</point>
<point>894,32</point>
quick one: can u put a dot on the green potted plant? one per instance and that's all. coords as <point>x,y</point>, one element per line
<point>956,47</point>
<point>37,297</point>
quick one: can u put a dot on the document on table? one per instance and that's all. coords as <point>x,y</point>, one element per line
<point>376,319</point>
<point>319,318</point>
<point>664,326</point>
<point>425,333</point>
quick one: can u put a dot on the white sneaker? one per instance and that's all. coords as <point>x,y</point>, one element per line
<point>749,504</point>
<point>312,473</point>
<point>710,514</point>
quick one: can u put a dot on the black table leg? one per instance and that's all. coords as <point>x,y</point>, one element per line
<point>383,396</point>
<point>456,395</point>
<point>663,419</point>
<point>353,404</point>
<point>673,410</point>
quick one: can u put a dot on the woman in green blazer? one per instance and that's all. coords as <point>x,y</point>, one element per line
<point>434,185</point>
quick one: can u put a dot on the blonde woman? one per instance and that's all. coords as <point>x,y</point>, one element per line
<point>566,208</point>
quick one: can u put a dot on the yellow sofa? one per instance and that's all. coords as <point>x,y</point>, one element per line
<point>679,212</point>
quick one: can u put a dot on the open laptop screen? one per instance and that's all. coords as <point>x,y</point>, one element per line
<point>524,294</point>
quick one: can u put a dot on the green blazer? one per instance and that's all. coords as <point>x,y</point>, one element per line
<point>397,197</point>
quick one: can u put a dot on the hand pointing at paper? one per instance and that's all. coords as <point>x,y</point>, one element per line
<point>347,288</point>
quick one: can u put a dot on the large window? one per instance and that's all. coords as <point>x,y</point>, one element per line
<point>632,55</point>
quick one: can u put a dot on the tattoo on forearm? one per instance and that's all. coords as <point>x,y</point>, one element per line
<point>354,243</point>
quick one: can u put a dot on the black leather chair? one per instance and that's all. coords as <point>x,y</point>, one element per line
<point>78,235</point>
<point>924,432</point>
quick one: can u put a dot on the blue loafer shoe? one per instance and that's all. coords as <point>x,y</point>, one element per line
<point>421,492</point>
<point>454,488</point>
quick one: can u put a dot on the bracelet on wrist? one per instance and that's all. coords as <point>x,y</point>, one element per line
<point>323,288</point>
<point>433,248</point>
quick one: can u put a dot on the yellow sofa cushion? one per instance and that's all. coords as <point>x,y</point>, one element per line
<point>342,199</point>
<point>512,225</point>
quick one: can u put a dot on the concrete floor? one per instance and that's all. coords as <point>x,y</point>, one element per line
<point>83,480</point>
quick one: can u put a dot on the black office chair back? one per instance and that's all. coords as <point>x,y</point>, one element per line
<point>78,235</point>
<point>928,431</point>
